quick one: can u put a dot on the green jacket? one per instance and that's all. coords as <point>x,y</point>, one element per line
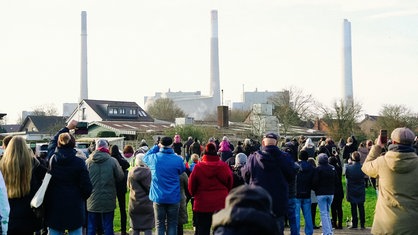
<point>105,172</point>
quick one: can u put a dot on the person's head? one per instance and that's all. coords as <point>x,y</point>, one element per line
<point>138,159</point>
<point>402,136</point>
<point>270,139</point>
<point>16,167</point>
<point>6,141</point>
<point>252,201</point>
<point>194,157</point>
<point>114,150</point>
<point>177,138</point>
<point>309,143</point>
<point>322,159</point>
<point>225,138</point>
<point>303,155</point>
<point>350,140</point>
<point>143,143</point>
<point>240,159</point>
<point>312,161</point>
<point>355,156</point>
<point>166,142</point>
<point>302,139</point>
<point>369,143</point>
<point>102,144</point>
<point>66,140</point>
<point>329,141</point>
<point>128,151</point>
<point>210,149</point>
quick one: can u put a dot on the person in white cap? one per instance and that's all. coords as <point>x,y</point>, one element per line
<point>397,202</point>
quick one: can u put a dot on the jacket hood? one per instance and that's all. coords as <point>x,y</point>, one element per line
<point>140,172</point>
<point>212,165</point>
<point>363,150</point>
<point>99,157</point>
<point>247,206</point>
<point>64,154</point>
<point>271,154</point>
<point>322,159</point>
<point>401,162</point>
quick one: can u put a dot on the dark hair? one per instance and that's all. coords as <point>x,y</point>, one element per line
<point>114,150</point>
<point>210,149</point>
<point>6,140</point>
<point>355,156</point>
<point>303,155</point>
<point>128,149</point>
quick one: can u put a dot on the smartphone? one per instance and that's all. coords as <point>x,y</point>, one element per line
<point>81,128</point>
<point>384,136</point>
<point>334,151</point>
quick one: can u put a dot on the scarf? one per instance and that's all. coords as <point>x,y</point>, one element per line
<point>103,149</point>
<point>400,148</point>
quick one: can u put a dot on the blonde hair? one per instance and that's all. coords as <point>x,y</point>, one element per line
<point>16,167</point>
<point>195,157</point>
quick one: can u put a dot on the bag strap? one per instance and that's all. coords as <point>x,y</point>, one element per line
<point>50,162</point>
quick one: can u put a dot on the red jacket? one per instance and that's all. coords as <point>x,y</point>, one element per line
<point>209,184</point>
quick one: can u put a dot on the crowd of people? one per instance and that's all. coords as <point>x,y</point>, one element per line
<point>249,188</point>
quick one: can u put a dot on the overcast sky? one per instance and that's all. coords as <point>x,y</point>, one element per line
<point>137,48</point>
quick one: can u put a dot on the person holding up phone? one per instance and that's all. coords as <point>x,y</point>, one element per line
<point>397,170</point>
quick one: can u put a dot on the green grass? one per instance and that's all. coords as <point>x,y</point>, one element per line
<point>369,206</point>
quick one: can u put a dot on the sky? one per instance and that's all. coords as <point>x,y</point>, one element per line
<point>137,48</point>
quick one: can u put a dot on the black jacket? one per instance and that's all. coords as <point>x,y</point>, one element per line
<point>305,179</point>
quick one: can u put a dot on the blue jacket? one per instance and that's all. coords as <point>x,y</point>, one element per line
<point>165,166</point>
<point>271,169</point>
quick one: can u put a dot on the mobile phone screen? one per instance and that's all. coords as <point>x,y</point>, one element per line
<point>383,136</point>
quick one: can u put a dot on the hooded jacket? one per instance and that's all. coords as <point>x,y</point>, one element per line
<point>105,172</point>
<point>326,177</point>
<point>166,167</point>
<point>70,183</point>
<point>247,211</point>
<point>397,203</point>
<point>271,169</point>
<point>209,184</point>
<point>141,211</point>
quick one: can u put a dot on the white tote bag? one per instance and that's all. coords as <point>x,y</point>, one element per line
<point>37,200</point>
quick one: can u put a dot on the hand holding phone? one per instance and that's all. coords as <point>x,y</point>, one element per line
<point>81,128</point>
<point>334,151</point>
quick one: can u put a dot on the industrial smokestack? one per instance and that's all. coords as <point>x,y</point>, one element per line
<point>83,75</point>
<point>215,87</point>
<point>348,74</point>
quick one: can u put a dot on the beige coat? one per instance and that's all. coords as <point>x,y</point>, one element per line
<point>397,203</point>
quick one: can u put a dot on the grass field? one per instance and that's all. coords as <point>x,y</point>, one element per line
<point>369,206</point>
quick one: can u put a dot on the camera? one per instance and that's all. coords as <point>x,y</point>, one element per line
<point>81,128</point>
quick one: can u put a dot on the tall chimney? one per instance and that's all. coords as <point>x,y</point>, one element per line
<point>348,74</point>
<point>83,75</point>
<point>215,87</point>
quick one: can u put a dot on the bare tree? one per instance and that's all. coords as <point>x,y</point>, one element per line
<point>341,118</point>
<point>165,109</point>
<point>292,107</point>
<point>45,110</point>
<point>394,116</point>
